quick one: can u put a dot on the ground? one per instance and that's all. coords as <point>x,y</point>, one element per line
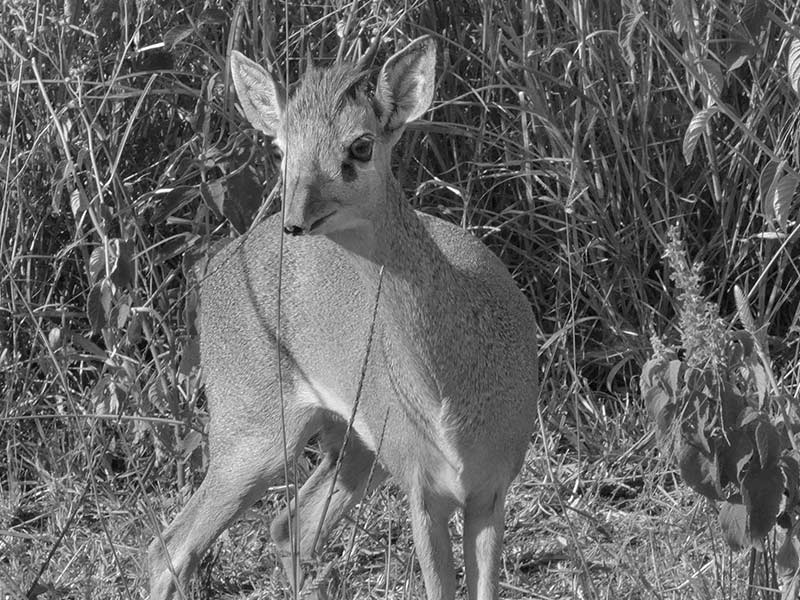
<point>598,527</point>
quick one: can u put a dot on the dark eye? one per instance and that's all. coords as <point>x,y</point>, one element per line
<point>361,149</point>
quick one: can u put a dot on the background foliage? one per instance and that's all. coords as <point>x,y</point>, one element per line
<point>569,135</point>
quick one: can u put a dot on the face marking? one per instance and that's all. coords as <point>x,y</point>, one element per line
<point>349,173</point>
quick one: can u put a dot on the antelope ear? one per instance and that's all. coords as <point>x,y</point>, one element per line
<point>404,90</point>
<point>262,98</point>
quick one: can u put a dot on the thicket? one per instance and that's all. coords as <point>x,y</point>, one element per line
<point>571,136</point>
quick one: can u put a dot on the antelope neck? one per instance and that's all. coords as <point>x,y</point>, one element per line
<point>419,290</point>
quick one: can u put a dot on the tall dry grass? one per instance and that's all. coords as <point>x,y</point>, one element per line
<point>558,135</point>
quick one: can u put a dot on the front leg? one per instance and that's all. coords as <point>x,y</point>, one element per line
<point>483,544</point>
<point>429,517</point>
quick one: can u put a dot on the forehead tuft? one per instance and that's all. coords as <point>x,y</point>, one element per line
<point>326,93</point>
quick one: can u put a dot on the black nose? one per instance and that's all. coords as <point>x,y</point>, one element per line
<point>293,230</point>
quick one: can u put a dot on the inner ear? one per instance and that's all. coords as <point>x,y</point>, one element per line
<point>404,90</point>
<point>262,98</point>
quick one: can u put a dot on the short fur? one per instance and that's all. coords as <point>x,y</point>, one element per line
<point>449,394</point>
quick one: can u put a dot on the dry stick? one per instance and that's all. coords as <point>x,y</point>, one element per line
<point>325,572</point>
<point>294,526</point>
<point>357,518</point>
<point>347,24</point>
<point>123,142</point>
<point>240,241</point>
<point>5,205</point>
<point>99,416</point>
<point>568,220</point>
<point>340,458</point>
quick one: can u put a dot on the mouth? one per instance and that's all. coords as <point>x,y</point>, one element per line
<point>319,222</point>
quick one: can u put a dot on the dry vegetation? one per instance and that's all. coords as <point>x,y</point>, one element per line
<point>569,135</point>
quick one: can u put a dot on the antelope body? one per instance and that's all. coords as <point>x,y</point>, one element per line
<point>448,396</point>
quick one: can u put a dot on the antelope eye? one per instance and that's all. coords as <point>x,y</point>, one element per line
<point>361,149</point>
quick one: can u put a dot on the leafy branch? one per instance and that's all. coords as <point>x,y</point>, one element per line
<point>717,410</point>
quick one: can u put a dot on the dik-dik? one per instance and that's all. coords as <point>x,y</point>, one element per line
<point>448,396</point>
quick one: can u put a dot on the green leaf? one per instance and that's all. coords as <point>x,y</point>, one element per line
<point>791,589</point>
<point>122,311</point>
<point>791,477</point>
<point>733,456</point>
<point>122,271</point>
<point>237,197</point>
<point>168,201</point>
<point>674,374</point>
<point>97,263</point>
<point>662,409</point>
<point>651,371</point>
<point>244,191</point>
<point>191,311</point>
<point>659,383</point>
<point>696,426</point>
<point>697,126</point>
<point>776,187</point>
<point>98,304</point>
<point>749,415</point>
<point>662,373</point>
<point>781,197</point>
<point>134,332</point>
<point>190,359</point>
<point>743,309</point>
<point>754,16</point>
<point>190,443</point>
<point>768,444</point>
<point>738,54</point>
<point>762,491</point>
<point>793,64</point>
<point>699,470</point>
<point>176,245</point>
<point>744,340</point>
<point>627,26</point>
<point>657,402</point>
<point>213,16</point>
<point>733,522</point>
<point>176,35</point>
<point>681,19</point>
<point>78,203</point>
<point>732,403</point>
<point>766,181</point>
<point>760,382</point>
<point>117,263</point>
<point>213,194</point>
<point>710,74</point>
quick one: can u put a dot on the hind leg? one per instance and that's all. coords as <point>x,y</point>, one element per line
<point>319,506</point>
<point>242,466</point>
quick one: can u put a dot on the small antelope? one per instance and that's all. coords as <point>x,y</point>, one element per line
<point>447,397</point>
